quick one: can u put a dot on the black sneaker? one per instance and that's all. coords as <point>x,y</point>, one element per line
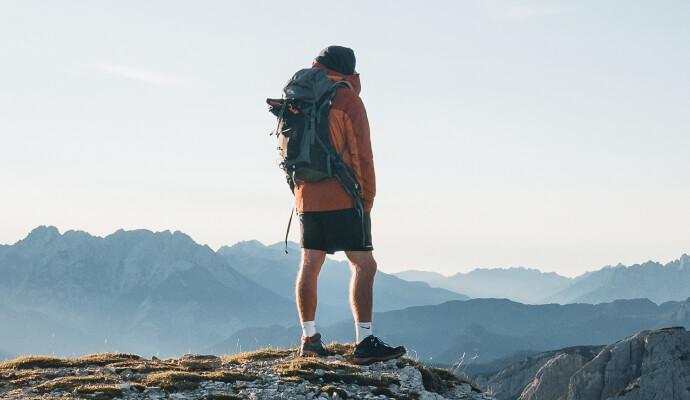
<point>312,347</point>
<point>373,349</point>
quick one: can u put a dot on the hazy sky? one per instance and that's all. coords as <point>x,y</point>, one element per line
<point>552,134</point>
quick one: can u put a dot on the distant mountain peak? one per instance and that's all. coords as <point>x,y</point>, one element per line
<point>249,243</point>
<point>242,245</point>
<point>42,234</point>
<point>684,260</point>
<point>281,245</point>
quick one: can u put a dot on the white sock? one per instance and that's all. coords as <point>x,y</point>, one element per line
<point>308,328</point>
<point>363,329</point>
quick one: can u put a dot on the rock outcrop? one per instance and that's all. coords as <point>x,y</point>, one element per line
<point>551,381</point>
<point>263,374</point>
<point>540,376</point>
<point>652,365</point>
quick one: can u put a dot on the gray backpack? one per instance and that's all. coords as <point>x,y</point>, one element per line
<point>304,141</point>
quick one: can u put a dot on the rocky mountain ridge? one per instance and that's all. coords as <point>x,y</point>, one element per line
<point>484,330</point>
<point>650,365</point>
<point>72,292</point>
<point>265,374</point>
<point>524,285</point>
<point>275,270</point>
<point>652,280</point>
<point>128,290</point>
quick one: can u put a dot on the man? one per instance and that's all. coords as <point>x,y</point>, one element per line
<point>329,221</point>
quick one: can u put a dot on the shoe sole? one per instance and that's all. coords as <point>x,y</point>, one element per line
<point>371,360</point>
<point>309,353</point>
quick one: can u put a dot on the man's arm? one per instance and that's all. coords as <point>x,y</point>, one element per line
<point>366,157</point>
<point>350,131</point>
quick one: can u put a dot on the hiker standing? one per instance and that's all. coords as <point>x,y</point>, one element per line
<point>334,212</point>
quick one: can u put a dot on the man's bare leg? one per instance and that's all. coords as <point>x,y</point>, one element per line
<point>369,348</point>
<point>363,268</point>
<point>306,285</point>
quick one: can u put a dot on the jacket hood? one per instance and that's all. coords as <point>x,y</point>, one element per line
<point>337,76</point>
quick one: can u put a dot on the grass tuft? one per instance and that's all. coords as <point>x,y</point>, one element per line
<point>43,361</point>
<point>291,379</point>
<point>143,366</point>
<point>100,392</point>
<point>258,355</point>
<point>22,377</point>
<point>69,383</point>
<point>313,363</point>
<point>40,361</point>
<point>182,380</point>
<point>174,380</point>
<point>330,389</point>
<point>229,376</point>
<point>343,349</point>
<point>102,359</point>
<point>333,371</point>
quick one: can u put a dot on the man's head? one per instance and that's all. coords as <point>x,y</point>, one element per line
<point>338,58</point>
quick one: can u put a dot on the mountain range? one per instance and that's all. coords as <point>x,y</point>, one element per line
<point>525,285</point>
<point>160,292</point>
<point>127,290</point>
<point>652,280</point>
<point>273,269</point>
<point>485,330</point>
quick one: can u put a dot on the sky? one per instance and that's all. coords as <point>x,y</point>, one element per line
<point>547,134</point>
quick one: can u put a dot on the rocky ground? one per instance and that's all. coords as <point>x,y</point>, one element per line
<point>263,374</point>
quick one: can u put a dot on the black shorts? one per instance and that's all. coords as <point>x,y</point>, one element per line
<point>332,231</point>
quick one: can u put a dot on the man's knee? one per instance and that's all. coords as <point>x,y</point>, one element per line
<point>311,263</point>
<point>365,267</point>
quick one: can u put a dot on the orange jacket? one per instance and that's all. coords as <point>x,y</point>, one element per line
<point>349,130</point>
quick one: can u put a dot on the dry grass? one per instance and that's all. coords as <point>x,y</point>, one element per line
<point>330,389</point>
<point>69,383</point>
<point>143,366</point>
<point>101,359</point>
<point>344,377</point>
<point>313,363</point>
<point>174,380</point>
<point>229,376</point>
<point>258,355</point>
<point>291,379</point>
<point>407,361</point>
<point>21,377</point>
<point>28,362</point>
<point>100,392</point>
<point>182,380</point>
<point>44,361</point>
<point>304,368</point>
<point>343,349</point>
